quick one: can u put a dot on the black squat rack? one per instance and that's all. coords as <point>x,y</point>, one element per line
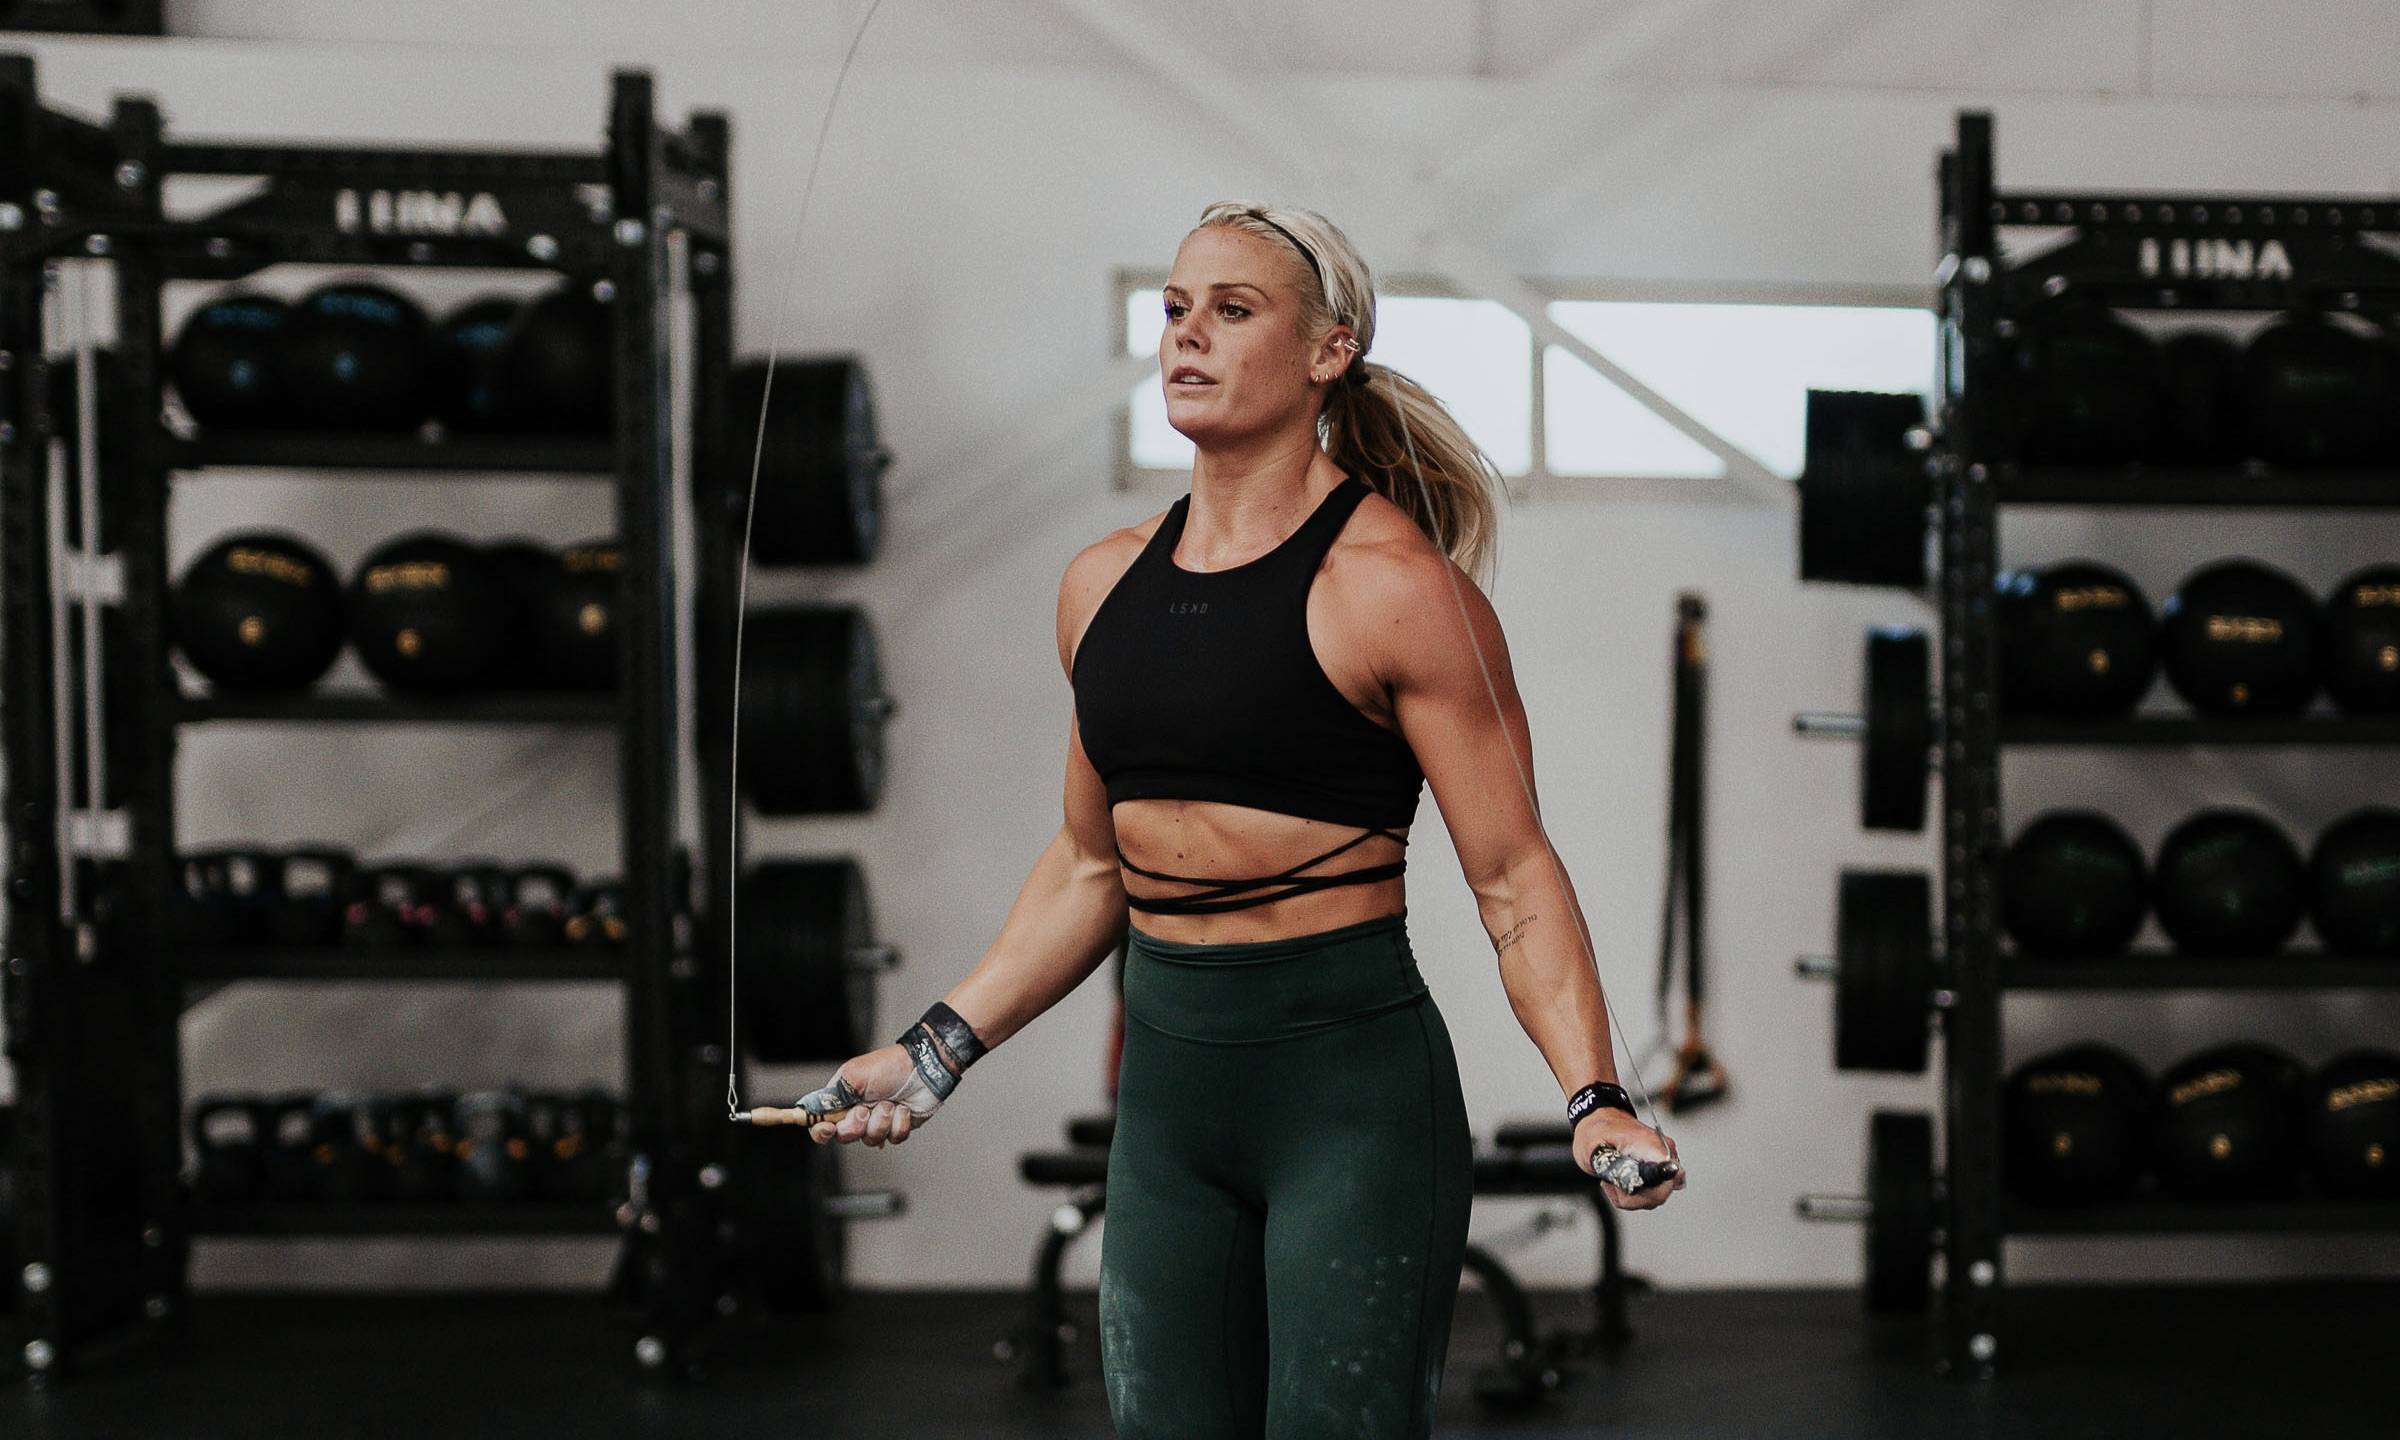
<point>93,994</point>
<point>1865,505</point>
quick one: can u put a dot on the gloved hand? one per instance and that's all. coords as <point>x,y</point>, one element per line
<point>880,1096</point>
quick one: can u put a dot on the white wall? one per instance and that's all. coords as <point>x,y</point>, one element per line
<point>987,170</point>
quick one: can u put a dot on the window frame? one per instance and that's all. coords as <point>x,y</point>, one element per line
<point>1539,482</point>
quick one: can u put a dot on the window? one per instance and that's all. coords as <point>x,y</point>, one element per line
<point>1741,368</point>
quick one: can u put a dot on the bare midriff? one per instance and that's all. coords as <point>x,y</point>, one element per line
<point>1207,838</point>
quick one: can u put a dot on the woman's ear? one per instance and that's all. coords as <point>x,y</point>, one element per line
<point>1344,347</point>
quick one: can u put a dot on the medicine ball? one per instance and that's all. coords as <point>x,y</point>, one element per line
<point>224,364</point>
<point>577,625</point>
<point>2074,886</point>
<point>260,613</point>
<point>2077,641</point>
<point>2241,639</point>
<point>2229,883</point>
<point>2086,388</point>
<point>422,610</point>
<point>526,571</point>
<point>2200,414</point>
<point>2359,642</point>
<point>2074,1127</point>
<point>2319,394</point>
<point>354,356</point>
<point>561,363</point>
<point>2354,883</point>
<point>2354,1125</point>
<point>2228,1124</point>
<point>470,366</point>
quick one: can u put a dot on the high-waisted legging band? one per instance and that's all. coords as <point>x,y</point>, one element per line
<point>1210,900</point>
<point>1287,1191</point>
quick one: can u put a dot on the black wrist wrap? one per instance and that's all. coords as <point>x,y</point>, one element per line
<point>955,1034</point>
<point>931,1067</point>
<point>942,1024</point>
<point>1591,1097</point>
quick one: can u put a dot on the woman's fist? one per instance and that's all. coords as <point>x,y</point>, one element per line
<point>1615,1127</point>
<point>893,1099</point>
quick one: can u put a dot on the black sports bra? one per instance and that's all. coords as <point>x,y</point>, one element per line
<point>1202,685</point>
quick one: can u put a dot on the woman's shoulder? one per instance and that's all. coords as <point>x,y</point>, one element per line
<point>1092,573</point>
<point>1103,562</point>
<point>1383,557</point>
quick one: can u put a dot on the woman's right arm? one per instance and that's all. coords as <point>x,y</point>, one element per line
<point>1067,919</point>
<point>1068,916</point>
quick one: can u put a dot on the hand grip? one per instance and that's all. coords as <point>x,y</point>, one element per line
<point>1629,1173</point>
<point>826,1106</point>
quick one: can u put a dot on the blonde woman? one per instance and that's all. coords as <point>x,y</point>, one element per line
<point>1265,677</point>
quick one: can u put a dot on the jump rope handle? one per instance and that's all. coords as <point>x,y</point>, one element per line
<point>826,1106</point>
<point>1629,1173</point>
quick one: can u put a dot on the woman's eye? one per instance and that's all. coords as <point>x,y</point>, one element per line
<point>1236,309</point>
<point>1173,310</point>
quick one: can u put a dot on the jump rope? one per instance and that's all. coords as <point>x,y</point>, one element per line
<point>828,1104</point>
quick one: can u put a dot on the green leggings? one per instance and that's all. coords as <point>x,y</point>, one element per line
<point>1287,1191</point>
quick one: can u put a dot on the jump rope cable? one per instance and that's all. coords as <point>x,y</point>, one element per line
<point>741,604</point>
<point>1491,691</point>
<point>742,591</point>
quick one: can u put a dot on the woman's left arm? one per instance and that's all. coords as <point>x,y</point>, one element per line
<point>1455,700</point>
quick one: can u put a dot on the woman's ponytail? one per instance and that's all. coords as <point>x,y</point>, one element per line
<point>1391,432</point>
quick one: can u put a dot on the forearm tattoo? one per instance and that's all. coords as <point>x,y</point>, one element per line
<point>1513,934</point>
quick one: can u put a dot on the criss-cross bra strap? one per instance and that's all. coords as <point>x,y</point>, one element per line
<point>1214,897</point>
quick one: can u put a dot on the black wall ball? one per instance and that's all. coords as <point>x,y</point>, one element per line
<point>260,612</point>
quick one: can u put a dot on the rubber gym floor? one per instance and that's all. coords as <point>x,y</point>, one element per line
<point>2185,1362</point>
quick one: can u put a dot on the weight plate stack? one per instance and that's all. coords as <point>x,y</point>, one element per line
<point>806,952</point>
<point>820,476</point>
<point>813,711</point>
<point>1884,927</point>
<point>1899,710</point>
<point>1863,492</point>
<point>1900,1227</point>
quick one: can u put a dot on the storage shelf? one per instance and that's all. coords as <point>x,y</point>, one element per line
<point>373,707</point>
<point>444,964</point>
<point>2166,970</point>
<point>2318,728</point>
<point>2166,1217</point>
<point>589,456</point>
<point>2248,486</point>
<point>268,1218</point>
